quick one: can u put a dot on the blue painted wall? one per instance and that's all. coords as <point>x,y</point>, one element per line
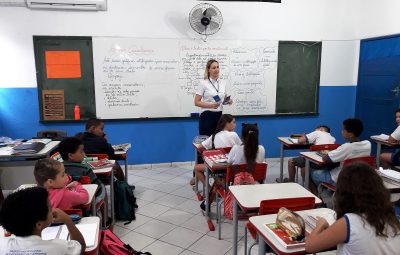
<point>168,140</point>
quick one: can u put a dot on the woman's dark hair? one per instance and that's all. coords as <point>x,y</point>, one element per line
<point>68,145</point>
<point>14,214</point>
<point>250,142</point>
<point>208,66</point>
<point>223,120</point>
<point>360,190</point>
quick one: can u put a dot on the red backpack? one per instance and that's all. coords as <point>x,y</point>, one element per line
<point>110,244</point>
<point>242,178</point>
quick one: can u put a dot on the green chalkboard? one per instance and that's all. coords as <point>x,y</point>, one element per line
<point>65,63</point>
<point>298,77</point>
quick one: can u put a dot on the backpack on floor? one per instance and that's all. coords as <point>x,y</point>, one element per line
<point>125,201</point>
<point>110,244</point>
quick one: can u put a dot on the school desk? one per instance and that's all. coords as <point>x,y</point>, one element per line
<point>108,172</point>
<point>91,189</point>
<point>265,237</point>
<point>379,142</point>
<point>123,155</point>
<point>18,169</point>
<point>286,144</point>
<point>248,198</point>
<point>212,168</point>
<point>310,156</point>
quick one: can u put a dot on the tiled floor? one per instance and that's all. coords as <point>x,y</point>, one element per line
<point>169,220</point>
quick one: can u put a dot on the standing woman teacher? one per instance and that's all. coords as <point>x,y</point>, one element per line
<point>209,96</point>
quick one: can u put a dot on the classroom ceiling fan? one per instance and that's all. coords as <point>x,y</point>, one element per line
<point>205,19</point>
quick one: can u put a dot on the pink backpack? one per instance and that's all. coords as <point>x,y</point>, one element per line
<point>110,244</point>
<point>241,178</point>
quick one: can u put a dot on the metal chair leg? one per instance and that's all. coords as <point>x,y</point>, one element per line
<point>245,240</point>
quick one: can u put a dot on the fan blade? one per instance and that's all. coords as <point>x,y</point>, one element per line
<point>214,26</point>
<point>199,27</point>
<point>210,12</point>
<point>197,14</point>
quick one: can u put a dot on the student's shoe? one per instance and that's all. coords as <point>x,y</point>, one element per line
<point>278,180</point>
<point>203,205</point>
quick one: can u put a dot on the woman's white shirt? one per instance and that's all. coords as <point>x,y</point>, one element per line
<point>210,88</point>
<point>236,155</point>
<point>222,139</point>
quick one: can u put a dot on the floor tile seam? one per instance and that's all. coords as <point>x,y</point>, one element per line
<point>181,246</point>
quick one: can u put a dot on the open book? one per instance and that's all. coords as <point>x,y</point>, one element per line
<point>390,174</point>
<point>102,163</point>
<point>122,147</point>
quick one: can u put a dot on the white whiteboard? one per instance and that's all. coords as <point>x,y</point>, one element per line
<point>152,78</point>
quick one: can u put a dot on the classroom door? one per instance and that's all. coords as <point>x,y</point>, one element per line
<point>378,90</point>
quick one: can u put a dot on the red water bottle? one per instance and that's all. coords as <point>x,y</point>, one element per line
<point>77,112</point>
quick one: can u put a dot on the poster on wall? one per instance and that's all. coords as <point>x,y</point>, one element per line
<point>53,107</point>
<point>63,64</point>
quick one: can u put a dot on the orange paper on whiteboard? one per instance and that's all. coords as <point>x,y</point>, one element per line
<point>63,64</point>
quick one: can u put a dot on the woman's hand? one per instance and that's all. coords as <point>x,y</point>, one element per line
<point>215,105</point>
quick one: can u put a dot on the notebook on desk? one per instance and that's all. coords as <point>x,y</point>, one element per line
<point>28,148</point>
<point>88,231</point>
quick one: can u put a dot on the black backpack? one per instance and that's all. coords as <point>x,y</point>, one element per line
<point>125,201</point>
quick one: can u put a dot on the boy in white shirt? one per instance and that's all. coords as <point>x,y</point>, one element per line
<point>25,214</point>
<point>352,129</point>
<point>321,135</point>
<point>392,159</point>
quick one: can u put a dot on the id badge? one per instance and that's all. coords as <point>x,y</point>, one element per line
<point>217,98</point>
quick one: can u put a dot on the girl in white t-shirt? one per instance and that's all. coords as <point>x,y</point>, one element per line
<point>388,159</point>
<point>250,151</point>
<point>366,221</point>
<point>224,136</point>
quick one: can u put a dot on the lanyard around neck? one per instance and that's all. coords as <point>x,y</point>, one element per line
<point>213,85</point>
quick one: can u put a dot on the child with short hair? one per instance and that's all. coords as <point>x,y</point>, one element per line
<point>26,226</point>
<point>72,152</point>
<point>392,159</point>
<point>249,152</point>
<point>50,174</point>
<point>321,135</point>
<point>95,142</point>
<point>366,221</point>
<point>351,131</point>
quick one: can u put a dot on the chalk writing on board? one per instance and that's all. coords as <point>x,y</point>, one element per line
<point>159,77</point>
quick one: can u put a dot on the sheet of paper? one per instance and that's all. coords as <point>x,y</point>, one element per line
<point>89,233</point>
<point>50,233</point>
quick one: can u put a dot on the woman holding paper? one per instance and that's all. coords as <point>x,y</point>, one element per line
<point>210,96</point>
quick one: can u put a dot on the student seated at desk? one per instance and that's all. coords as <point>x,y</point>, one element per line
<point>72,153</point>
<point>50,174</point>
<point>249,152</point>
<point>25,214</point>
<point>321,135</point>
<point>223,136</point>
<point>366,221</point>
<point>392,159</point>
<point>95,142</point>
<point>351,131</point>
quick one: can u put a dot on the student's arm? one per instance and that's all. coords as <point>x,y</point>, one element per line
<point>395,136</point>
<point>392,140</point>
<point>327,160</point>
<point>324,237</point>
<point>75,234</point>
<point>302,139</point>
<point>78,196</point>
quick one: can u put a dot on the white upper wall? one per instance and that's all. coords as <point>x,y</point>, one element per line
<point>307,20</point>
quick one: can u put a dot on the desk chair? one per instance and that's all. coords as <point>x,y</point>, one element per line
<point>259,174</point>
<point>370,160</point>
<point>273,206</point>
<point>52,134</point>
